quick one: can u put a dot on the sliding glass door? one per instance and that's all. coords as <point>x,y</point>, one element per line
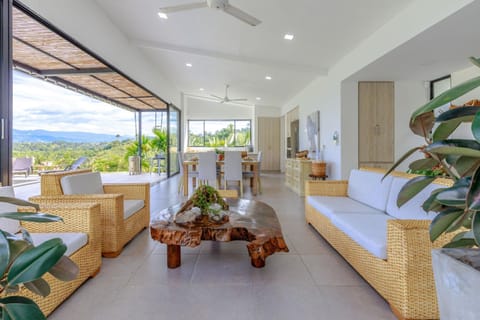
<point>173,139</point>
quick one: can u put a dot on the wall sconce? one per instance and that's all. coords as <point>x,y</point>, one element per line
<point>336,137</point>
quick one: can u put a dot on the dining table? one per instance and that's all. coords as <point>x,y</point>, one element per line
<point>247,165</point>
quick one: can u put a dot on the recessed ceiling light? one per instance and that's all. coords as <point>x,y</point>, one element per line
<point>288,36</point>
<point>258,98</point>
<point>162,15</point>
<point>188,64</point>
<point>268,77</point>
<point>201,89</point>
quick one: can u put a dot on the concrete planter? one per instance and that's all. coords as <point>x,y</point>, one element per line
<point>457,284</point>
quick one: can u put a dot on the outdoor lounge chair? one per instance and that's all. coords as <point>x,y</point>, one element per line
<point>22,165</point>
<point>74,166</point>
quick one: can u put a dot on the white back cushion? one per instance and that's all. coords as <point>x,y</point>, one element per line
<point>8,225</point>
<point>413,208</point>
<point>84,183</point>
<point>367,187</point>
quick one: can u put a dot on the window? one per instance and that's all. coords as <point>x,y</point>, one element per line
<point>219,133</point>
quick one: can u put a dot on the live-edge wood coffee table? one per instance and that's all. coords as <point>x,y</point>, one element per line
<point>249,220</point>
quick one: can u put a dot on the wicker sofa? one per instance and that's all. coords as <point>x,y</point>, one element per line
<point>118,227</point>
<point>80,231</point>
<point>388,246</point>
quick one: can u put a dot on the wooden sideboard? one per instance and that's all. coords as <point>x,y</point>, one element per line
<point>296,173</point>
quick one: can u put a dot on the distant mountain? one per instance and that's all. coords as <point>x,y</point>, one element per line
<point>65,136</point>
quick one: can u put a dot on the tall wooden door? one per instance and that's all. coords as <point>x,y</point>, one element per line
<point>268,133</point>
<point>376,124</point>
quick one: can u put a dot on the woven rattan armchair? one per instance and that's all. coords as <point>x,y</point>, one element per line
<point>117,231</point>
<point>82,218</point>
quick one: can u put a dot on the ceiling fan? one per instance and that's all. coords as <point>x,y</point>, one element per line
<point>214,4</point>
<point>226,99</point>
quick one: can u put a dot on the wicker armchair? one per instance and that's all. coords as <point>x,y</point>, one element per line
<point>117,231</point>
<point>83,218</point>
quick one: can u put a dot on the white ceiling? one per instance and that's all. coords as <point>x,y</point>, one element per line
<point>224,50</point>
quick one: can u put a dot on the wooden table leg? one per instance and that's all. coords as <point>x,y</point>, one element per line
<point>258,262</point>
<point>173,256</point>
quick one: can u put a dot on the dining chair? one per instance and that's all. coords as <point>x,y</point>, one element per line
<point>250,174</point>
<point>189,173</point>
<point>232,168</point>
<point>207,168</point>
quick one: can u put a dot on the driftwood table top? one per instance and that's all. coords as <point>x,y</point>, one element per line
<point>249,220</point>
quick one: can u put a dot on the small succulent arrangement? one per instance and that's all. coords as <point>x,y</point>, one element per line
<point>22,264</point>
<point>205,204</point>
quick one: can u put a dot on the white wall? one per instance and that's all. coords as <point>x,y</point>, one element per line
<point>349,131</point>
<point>85,22</point>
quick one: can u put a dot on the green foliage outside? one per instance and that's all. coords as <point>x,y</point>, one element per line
<point>103,157</point>
<point>226,137</point>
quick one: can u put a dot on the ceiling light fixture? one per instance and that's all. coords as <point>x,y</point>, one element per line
<point>288,36</point>
<point>162,15</point>
<point>201,89</point>
<point>268,77</point>
<point>188,64</point>
<point>258,98</point>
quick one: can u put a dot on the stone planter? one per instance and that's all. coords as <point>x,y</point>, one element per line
<point>457,283</point>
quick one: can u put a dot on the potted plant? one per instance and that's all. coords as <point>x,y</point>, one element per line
<point>458,206</point>
<point>23,264</point>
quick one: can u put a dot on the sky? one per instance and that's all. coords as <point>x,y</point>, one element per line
<point>38,104</point>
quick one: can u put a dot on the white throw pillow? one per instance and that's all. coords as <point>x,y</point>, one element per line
<point>413,208</point>
<point>83,183</point>
<point>367,187</point>
<point>8,225</point>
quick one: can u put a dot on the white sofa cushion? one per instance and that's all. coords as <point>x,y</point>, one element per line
<point>330,206</point>
<point>368,230</point>
<point>413,208</point>
<point>8,225</point>
<point>367,187</point>
<point>83,183</point>
<point>74,241</point>
<point>131,206</point>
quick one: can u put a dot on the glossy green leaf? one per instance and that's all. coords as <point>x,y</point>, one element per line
<point>463,147</point>
<point>475,61</point>
<point>466,166</point>
<point>473,197</point>
<point>402,158</point>
<point>31,216</point>
<point>412,188</point>
<point>445,129</point>
<point>462,243</point>
<point>422,164</point>
<point>34,262</point>
<point>442,221</point>
<point>65,269</point>
<point>12,290</point>
<point>476,126</point>
<point>20,308</point>
<point>38,286</point>
<point>460,222</point>
<point>464,113</point>
<point>476,227</point>
<point>454,197</point>
<point>447,97</point>
<point>431,204</point>
<point>26,235</point>
<point>463,235</point>
<point>423,124</point>
<point>4,253</point>
<point>19,202</point>
<point>17,246</point>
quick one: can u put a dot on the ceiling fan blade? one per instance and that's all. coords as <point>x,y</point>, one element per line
<point>183,7</point>
<point>239,99</point>
<point>219,98</point>
<point>241,15</point>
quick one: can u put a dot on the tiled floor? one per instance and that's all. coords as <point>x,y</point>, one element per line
<point>216,280</point>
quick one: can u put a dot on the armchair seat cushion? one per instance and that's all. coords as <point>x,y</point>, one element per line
<point>84,183</point>
<point>330,206</point>
<point>368,230</point>
<point>132,206</point>
<point>73,240</point>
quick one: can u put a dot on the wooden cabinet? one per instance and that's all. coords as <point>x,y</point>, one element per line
<point>375,124</point>
<point>296,173</point>
<point>269,142</point>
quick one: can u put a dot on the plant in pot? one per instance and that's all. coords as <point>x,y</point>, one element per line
<point>458,206</point>
<point>23,264</point>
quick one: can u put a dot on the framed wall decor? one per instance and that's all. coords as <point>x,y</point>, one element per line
<point>437,87</point>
